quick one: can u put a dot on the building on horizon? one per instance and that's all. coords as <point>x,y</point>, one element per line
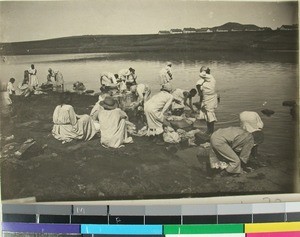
<point>204,30</point>
<point>222,30</point>
<point>164,32</point>
<point>176,31</point>
<point>189,30</point>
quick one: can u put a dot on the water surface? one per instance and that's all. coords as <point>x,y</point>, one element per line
<point>245,82</point>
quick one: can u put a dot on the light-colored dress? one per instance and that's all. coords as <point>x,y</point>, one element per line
<point>143,91</point>
<point>227,143</point>
<point>113,128</point>
<point>178,95</point>
<point>154,109</point>
<point>126,75</point>
<point>95,111</point>
<point>108,79</point>
<point>210,98</point>
<point>33,79</point>
<point>10,89</point>
<point>59,81</point>
<point>250,121</point>
<point>165,75</point>
<point>67,127</point>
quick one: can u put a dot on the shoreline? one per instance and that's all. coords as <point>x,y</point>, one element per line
<point>229,41</point>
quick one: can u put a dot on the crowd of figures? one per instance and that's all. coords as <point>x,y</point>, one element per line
<point>229,148</point>
<point>30,84</point>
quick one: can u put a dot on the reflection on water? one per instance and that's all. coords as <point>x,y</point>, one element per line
<point>245,81</point>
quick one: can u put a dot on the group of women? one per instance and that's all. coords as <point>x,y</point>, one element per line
<point>232,145</point>
<point>110,120</point>
<point>106,119</point>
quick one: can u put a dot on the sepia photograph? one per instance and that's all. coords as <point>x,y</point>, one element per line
<point>148,99</point>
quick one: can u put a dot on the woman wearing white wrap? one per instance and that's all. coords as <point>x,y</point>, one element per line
<point>33,80</point>
<point>68,125</point>
<point>206,87</point>
<point>165,74</point>
<point>155,108</point>
<point>251,122</point>
<point>113,126</point>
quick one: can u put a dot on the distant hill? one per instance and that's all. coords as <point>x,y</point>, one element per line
<point>237,26</point>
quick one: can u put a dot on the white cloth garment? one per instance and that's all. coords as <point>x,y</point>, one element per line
<point>178,95</point>
<point>69,126</point>
<point>113,128</point>
<point>33,80</point>
<point>108,79</point>
<point>165,75</point>
<point>210,98</point>
<point>250,121</point>
<point>154,109</point>
<point>143,91</point>
<point>10,89</point>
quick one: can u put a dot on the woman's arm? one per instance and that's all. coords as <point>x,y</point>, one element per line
<point>190,104</point>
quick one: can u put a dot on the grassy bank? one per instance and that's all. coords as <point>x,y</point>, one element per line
<point>79,170</point>
<point>231,41</point>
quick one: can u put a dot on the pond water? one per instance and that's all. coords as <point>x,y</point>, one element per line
<point>245,81</point>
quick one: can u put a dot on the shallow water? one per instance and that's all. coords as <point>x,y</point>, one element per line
<point>245,81</point>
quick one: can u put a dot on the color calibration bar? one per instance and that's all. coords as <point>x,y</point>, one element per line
<point>278,229</point>
<point>267,219</point>
<point>152,214</point>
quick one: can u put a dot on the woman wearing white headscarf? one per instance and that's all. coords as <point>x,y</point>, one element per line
<point>251,122</point>
<point>165,74</point>
<point>206,87</point>
<point>155,108</point>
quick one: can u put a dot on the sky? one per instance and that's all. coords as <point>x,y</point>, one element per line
<point>36,20</point>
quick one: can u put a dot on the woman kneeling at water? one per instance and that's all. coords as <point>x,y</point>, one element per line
<point>68,125</point>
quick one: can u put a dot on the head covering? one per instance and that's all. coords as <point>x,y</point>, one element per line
<point>258,137</point>
<point>169,64</point>
<point>203,68</point>
<point>167,87</point>
<point>250,121</point>
<point>131,70</point>
<point>50,70</point>
<point>109,103</point>
<point>203,71</point>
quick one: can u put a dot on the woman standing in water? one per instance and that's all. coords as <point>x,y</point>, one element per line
<point>10,91</point>
<point>33,80</point>
<point>206,87</point>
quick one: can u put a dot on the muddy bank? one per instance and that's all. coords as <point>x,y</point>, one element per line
<point>142,170</point>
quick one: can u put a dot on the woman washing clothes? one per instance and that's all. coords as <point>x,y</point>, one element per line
<point>155,108</point>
